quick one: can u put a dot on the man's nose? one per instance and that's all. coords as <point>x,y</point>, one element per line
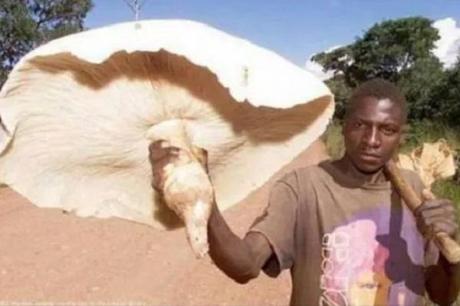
<point>372,137</point>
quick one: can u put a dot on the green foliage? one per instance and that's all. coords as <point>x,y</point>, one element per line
<point>333,140</point>
<point>391,47</point>
<point>338,60</point>
<point>397,50</point>
<point>341,92</point>
<point>448,189</point>
<point>384,51</point>
<point>25,24</point>
<point>445,97</point>
<point>417,83</point>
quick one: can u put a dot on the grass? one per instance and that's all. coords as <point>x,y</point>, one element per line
<point>415,134</point>
<point>448,189</point>
<point>334,140</point>
<point>419,132</point>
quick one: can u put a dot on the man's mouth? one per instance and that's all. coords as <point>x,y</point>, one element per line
<point>369,156</point>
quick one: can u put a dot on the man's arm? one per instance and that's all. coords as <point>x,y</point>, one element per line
<point>240,259</point>
<point>442,279</point>
<point>443,282</point>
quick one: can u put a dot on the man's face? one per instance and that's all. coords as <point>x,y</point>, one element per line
<point>372,133</point>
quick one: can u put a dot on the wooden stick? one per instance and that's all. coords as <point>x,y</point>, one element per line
<point>448,246</point>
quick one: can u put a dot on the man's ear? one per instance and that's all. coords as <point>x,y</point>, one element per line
<point>342,125</point>
<point>404,134</point>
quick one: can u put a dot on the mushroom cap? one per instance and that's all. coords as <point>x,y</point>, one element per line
<point>78,114</point>
<point>432,161</point>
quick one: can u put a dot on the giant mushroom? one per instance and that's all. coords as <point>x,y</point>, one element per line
<point>79,113</point>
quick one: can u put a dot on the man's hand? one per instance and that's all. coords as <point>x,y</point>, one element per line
<point>161,153</point>
<point>436,215</point>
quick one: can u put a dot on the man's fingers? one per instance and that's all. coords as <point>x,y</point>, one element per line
<point>167,158</point>
<point>435,206</point>
<point>157,182</point>
<point>161,153</point>
<point>158,144</point>
<point>438,219</point>
<point>427,221</point>
<point>448,227</point>
<point>158,152</point>
<point>437,223</point>
<point>440,209</point>
<point>441,227</point>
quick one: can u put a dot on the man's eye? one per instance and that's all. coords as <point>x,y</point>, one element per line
<point>388,130</point>
<point>358,124</point>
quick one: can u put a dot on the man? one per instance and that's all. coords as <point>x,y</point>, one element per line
<point>340,227</point>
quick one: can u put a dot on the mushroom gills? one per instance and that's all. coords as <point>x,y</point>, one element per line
<point>6,135</point>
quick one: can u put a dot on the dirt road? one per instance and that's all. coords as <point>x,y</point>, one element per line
<point>49,256</point>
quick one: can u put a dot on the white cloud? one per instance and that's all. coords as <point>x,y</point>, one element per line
<point>317,70</point>
<point>333,48</point>
<point>448,46</point>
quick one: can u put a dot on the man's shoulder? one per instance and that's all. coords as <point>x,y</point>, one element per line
<point>310,173</point>
<point>327,172</point>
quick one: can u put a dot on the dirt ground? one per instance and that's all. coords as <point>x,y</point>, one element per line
<point>51,257</point>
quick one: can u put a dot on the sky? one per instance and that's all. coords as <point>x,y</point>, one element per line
<point>293,29</point>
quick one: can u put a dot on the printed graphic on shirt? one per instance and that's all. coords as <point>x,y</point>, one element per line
<point>353,266</point>
<point>372,261</point>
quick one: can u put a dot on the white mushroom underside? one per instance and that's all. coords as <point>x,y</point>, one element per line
<point>80,132</point>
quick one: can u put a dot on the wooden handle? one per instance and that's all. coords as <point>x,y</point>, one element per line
<point>448,246</point>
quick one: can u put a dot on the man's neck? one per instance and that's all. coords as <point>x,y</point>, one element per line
<point>350,170</point>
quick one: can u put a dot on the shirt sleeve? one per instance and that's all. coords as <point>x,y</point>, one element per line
<point>277,224</point>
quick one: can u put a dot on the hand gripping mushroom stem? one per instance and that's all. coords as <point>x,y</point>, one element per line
<point>448,246</point>
<point>187,189</point>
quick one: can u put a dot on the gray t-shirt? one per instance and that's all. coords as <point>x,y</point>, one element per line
<point>346,243</point>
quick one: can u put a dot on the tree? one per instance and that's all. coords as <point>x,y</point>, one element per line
<point>417,83</point>
<point>26,24</point>
<point>445,97</point>
<point>396,50</point>
<point>341,91</point>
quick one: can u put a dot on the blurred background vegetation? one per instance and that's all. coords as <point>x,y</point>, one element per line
<point>26,24</point>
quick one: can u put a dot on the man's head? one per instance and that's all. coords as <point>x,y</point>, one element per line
<point>374,118</point>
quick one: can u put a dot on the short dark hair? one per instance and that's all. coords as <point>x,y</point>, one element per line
<point>379,89</point>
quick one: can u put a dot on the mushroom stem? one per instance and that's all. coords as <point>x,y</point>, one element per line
<point>187,189</point>
<point>196,222</point>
